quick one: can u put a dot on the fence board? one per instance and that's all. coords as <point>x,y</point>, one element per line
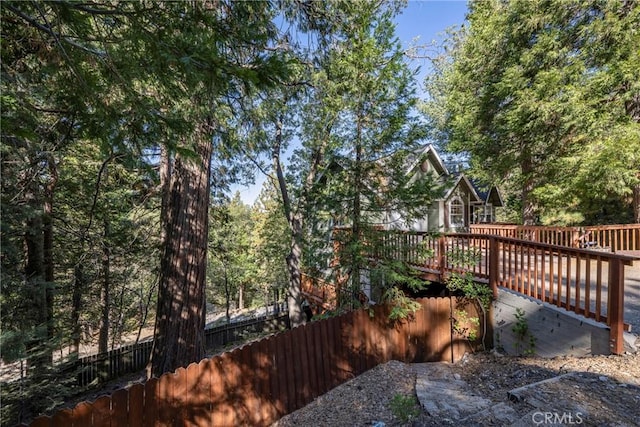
<point>260,382</point>
<point>199,390</point>
<point>64,418</point>
<point>276,390</point>
<point>333,350</point>
<point>219,407</point>
<point>361,331</point>
<point>233,387</point>
<point>83,414</point>
<point>304,386</point>
<point>164,399</point>
<point>291,372</point>
<point>119,407</point>
<point>263,364</point>
<point>342,331</point>
<point>186,401</point>
<point>324,349</point>
<point>43,421</point>
<point>102,412</point>
<point>309,332</point>
<point>316,346</point>
<point>151,403</point>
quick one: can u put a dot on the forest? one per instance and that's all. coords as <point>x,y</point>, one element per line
<point>126,124</point>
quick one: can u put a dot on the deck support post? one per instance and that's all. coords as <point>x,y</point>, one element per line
<point>442,256</point>
<point>493,265</point>
<point>615,309</point>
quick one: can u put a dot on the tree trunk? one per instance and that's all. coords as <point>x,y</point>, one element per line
<point>636,203</point>
<point>241,297</point>
<point>105,293</point>
<point>294,291</point>
<point>47,230</point>
<point>37,286</point>
<point>227,295</point>
<point>180,319</point>
<point>356,232</point>
<point>76,301</point>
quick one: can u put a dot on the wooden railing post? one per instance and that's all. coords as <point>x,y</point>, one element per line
<point>615,309</point>
<point>442,259</point>
<point>493,265</point>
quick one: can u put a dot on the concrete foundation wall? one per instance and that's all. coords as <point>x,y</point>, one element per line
<point>550,331</point>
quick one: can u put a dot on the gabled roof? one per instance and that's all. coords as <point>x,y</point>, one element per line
<point>488,195</point>
<point>427,151</point>
<point>462,179</point>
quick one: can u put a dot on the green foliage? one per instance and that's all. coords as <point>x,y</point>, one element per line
<point>463,282</point>
<point>402,307</point>
<point>538,94</point>
<point>404,407</point>
<point>465,325</point>
<point>472,291</point>
<point>232,261</point>
<point>523,335</point>
<point>270,243</point>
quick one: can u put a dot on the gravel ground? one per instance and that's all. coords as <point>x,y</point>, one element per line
<point>608,386</point>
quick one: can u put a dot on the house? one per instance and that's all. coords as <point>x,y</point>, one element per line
<point>462,201</point>
<point>457,203</point>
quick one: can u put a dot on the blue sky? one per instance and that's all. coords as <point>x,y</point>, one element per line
<point>422,20</point>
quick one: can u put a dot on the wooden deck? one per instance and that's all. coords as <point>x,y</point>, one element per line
<point>598,284</point>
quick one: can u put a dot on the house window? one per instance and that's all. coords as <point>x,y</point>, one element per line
<point>456,212</point>
<point>488,213</point>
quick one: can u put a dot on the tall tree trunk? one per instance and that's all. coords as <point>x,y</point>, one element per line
<point>227,294</point>
<point>37,286</point>
<point>165,177</point>
<point>294,290</point>
<point>76,302</point>
<point>47,230</point>
<point>180,319</point>
<point>356,232</point>
<point>636,203</point>
<point>105,293</point>
<point>241,296</point>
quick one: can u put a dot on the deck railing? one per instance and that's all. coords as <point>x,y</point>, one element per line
<point>584,281</point>
<point>614,238</point>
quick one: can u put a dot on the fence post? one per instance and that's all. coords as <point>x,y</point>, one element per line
<point>493,265</point>
<point>615,309</point>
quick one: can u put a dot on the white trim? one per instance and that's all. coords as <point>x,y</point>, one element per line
<point>456,198</point>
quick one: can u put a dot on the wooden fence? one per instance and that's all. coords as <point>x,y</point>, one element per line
<point>260,382</point>
<point>134,357</point>
<point>615,238</point>
<point>587,282</point>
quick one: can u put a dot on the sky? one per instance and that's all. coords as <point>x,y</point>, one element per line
<point>421,22</point>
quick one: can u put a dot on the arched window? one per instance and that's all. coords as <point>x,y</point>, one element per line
<point>456,212</point>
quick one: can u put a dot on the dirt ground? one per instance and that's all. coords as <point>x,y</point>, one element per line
<point>606,388</point>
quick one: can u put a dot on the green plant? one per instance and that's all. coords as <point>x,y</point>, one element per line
<point>404,407</point>
<point>402,307</point>
<point>465,325</point>
<point>463,283</point>
<point>521,331</point>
